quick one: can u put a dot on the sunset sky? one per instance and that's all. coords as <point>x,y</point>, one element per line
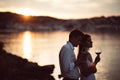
<point>65,9</point>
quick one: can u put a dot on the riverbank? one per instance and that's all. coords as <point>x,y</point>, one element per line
<point>13,67</point>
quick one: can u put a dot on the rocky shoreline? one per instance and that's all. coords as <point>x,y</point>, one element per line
<point>13,67</point>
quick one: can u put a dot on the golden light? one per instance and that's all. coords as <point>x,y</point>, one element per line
<point>25,11</point>
<point>27,47</point>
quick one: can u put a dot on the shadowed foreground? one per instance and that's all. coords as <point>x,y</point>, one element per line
<point>13,67</point>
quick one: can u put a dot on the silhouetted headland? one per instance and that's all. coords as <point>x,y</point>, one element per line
<point>16,23</point>
<point>13,67</point>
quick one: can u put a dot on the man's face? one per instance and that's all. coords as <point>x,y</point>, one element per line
<point>77,41</point>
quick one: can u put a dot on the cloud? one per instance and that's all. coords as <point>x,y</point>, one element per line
<point>65,8</point>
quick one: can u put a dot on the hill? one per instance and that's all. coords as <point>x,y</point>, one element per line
<point>16,22</point>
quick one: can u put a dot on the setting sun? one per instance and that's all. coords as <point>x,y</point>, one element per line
<point>26,11</point>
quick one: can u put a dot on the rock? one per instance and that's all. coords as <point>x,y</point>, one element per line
<point>13,67</point>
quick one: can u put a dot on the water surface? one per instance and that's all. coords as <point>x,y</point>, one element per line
<point>44,47</point>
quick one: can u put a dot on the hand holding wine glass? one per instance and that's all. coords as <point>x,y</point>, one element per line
<point>98,51</point>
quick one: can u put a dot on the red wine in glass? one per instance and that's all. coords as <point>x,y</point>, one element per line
<point>98,51</point>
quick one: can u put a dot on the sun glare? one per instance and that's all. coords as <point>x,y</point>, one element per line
<point>26,11</point>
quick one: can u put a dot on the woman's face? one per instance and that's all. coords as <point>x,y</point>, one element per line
<point>89,42</point>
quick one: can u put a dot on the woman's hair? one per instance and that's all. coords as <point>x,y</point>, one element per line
<point>84,42</point>
<point>81,51</point>
<point>1,44</point>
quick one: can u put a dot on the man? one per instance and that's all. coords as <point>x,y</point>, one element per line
<point>67,57</point>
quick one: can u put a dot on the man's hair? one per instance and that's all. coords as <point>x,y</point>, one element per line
<point>75,33</point>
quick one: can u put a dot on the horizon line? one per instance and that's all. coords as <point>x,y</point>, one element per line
<point>59,17</point>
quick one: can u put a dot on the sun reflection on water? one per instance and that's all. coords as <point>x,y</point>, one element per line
<point>27,46</point>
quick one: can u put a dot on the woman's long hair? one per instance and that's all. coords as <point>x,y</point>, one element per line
<point>83,42</point>
<point>82,46</point>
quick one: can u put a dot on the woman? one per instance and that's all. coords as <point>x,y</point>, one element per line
<point>84,60</point>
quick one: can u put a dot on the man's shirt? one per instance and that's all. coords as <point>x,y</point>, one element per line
<point>67,62</point>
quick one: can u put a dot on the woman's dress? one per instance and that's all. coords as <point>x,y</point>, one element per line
<point>91,76</point>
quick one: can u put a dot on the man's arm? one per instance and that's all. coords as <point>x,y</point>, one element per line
<point>66,59</point>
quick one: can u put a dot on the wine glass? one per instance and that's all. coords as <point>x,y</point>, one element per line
<point>98,51</point>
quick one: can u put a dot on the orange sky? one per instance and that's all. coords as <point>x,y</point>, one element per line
<point>65,9</point>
